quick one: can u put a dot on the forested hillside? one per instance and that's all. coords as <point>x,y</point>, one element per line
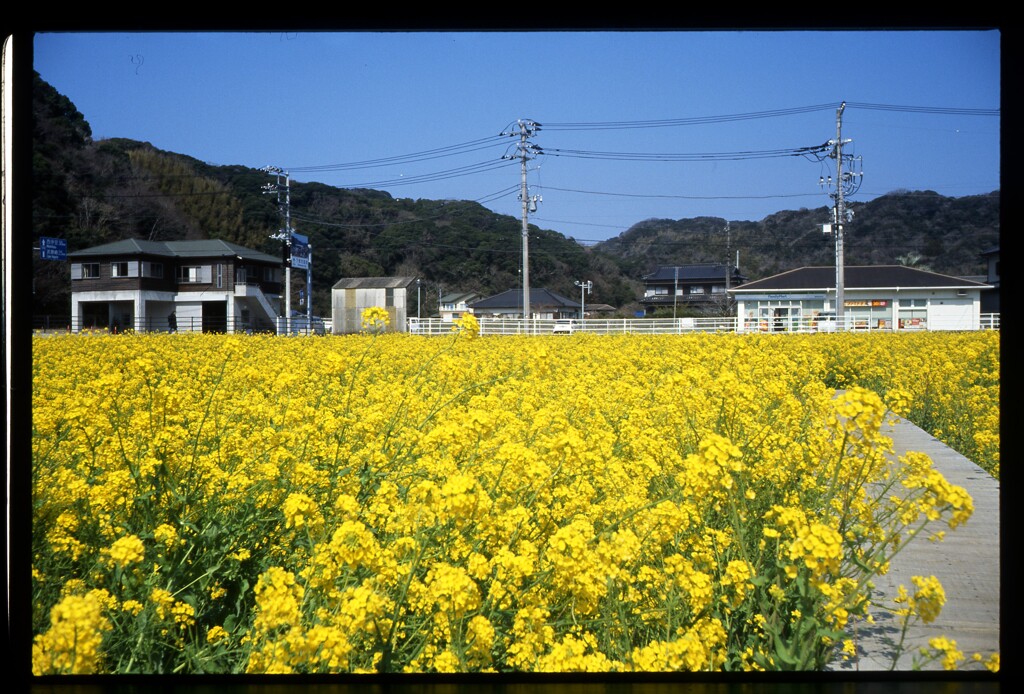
<point>91,192</point>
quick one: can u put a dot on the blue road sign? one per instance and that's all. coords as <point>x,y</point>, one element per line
<point>300,251</point>
<point>52,249</point>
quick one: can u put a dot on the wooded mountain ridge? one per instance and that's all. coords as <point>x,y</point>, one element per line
<point>91,192</point>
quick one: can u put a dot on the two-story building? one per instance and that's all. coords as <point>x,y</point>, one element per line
<point>693,286</point>
<point>455,304</point>
<point>209,285</point>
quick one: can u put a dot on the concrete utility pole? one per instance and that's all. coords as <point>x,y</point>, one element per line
<point>840,263</point>
<point>284,235</point>
<point>525,151</point>
<point>847,182</point>
<point>675,290</point>
<point>728,252</point>
<point>309,290</point>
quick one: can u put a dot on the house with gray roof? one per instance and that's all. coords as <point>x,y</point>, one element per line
<point>878,297</point>
<point>544,304</point>
<point>206,285</point>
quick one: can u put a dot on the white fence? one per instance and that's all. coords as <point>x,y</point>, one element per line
<point>600,326</point>
<point>666,326</point>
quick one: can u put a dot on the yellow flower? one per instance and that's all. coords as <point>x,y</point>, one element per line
<point>125,552</point>
<point>216,634</point>
<point>277,600</point>
<point>928,598</point>
<point>375,319</point>
<point>71,646</point>
<point>951,655</point>
<point>467,324</point>
<point>167,535</point>
<point>300,510</point>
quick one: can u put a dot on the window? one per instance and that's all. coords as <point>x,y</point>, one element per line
<point>152,270</point>
<point>696,289</point>
<point>119,269</point>
<point>90,271</point>
<point>188,273</point>
<point>194,274</point>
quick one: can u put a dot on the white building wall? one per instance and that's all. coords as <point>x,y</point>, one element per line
<point>941,309</point>
<point>954,314</point>
<point>189,315</point>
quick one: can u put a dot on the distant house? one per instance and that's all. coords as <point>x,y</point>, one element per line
<point>990,297</point>
<point>455,304</point>
<point>353,295</point>
<point>598,309</point>
<point>544,304</point>
<point>879,297</point>
<point>689,285</point>
<point>207,285</point>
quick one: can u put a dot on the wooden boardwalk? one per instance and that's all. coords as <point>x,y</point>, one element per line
<point>966,562</point>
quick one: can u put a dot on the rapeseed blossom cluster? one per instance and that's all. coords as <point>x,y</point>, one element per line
<point>398,503</point>
<point>375,319</point>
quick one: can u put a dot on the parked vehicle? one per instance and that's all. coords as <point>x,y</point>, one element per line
<point>301,325</point>
<point>564,327</point>
<point>826,322</point>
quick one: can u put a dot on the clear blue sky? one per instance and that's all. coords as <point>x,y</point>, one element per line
<point>703,110</point>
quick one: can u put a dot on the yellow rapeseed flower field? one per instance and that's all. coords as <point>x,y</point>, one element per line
<point>396,503</point>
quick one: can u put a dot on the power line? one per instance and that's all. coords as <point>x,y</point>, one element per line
<point>698,156</point>
<point>469,169</point>
<point>676,122</point>
<point>471,146</point>
<point>933,110</point>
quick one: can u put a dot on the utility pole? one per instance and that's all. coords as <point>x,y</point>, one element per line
<point>846,183</point>
<point>840,263</point>
<point>284,235</point>
<point>525,151</point>
<point>728,260</point>
<point>675,290</point>
<point>585,288</point>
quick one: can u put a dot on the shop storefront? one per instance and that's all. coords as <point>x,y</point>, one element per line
<point>886,298</point>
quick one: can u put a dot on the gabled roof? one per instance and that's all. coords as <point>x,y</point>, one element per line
<point>456,297</point>
<point>857,277</point>
<point>197,248</point>
<point>691,273</point>
<point>513,299</point>
<point>374,283</point>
